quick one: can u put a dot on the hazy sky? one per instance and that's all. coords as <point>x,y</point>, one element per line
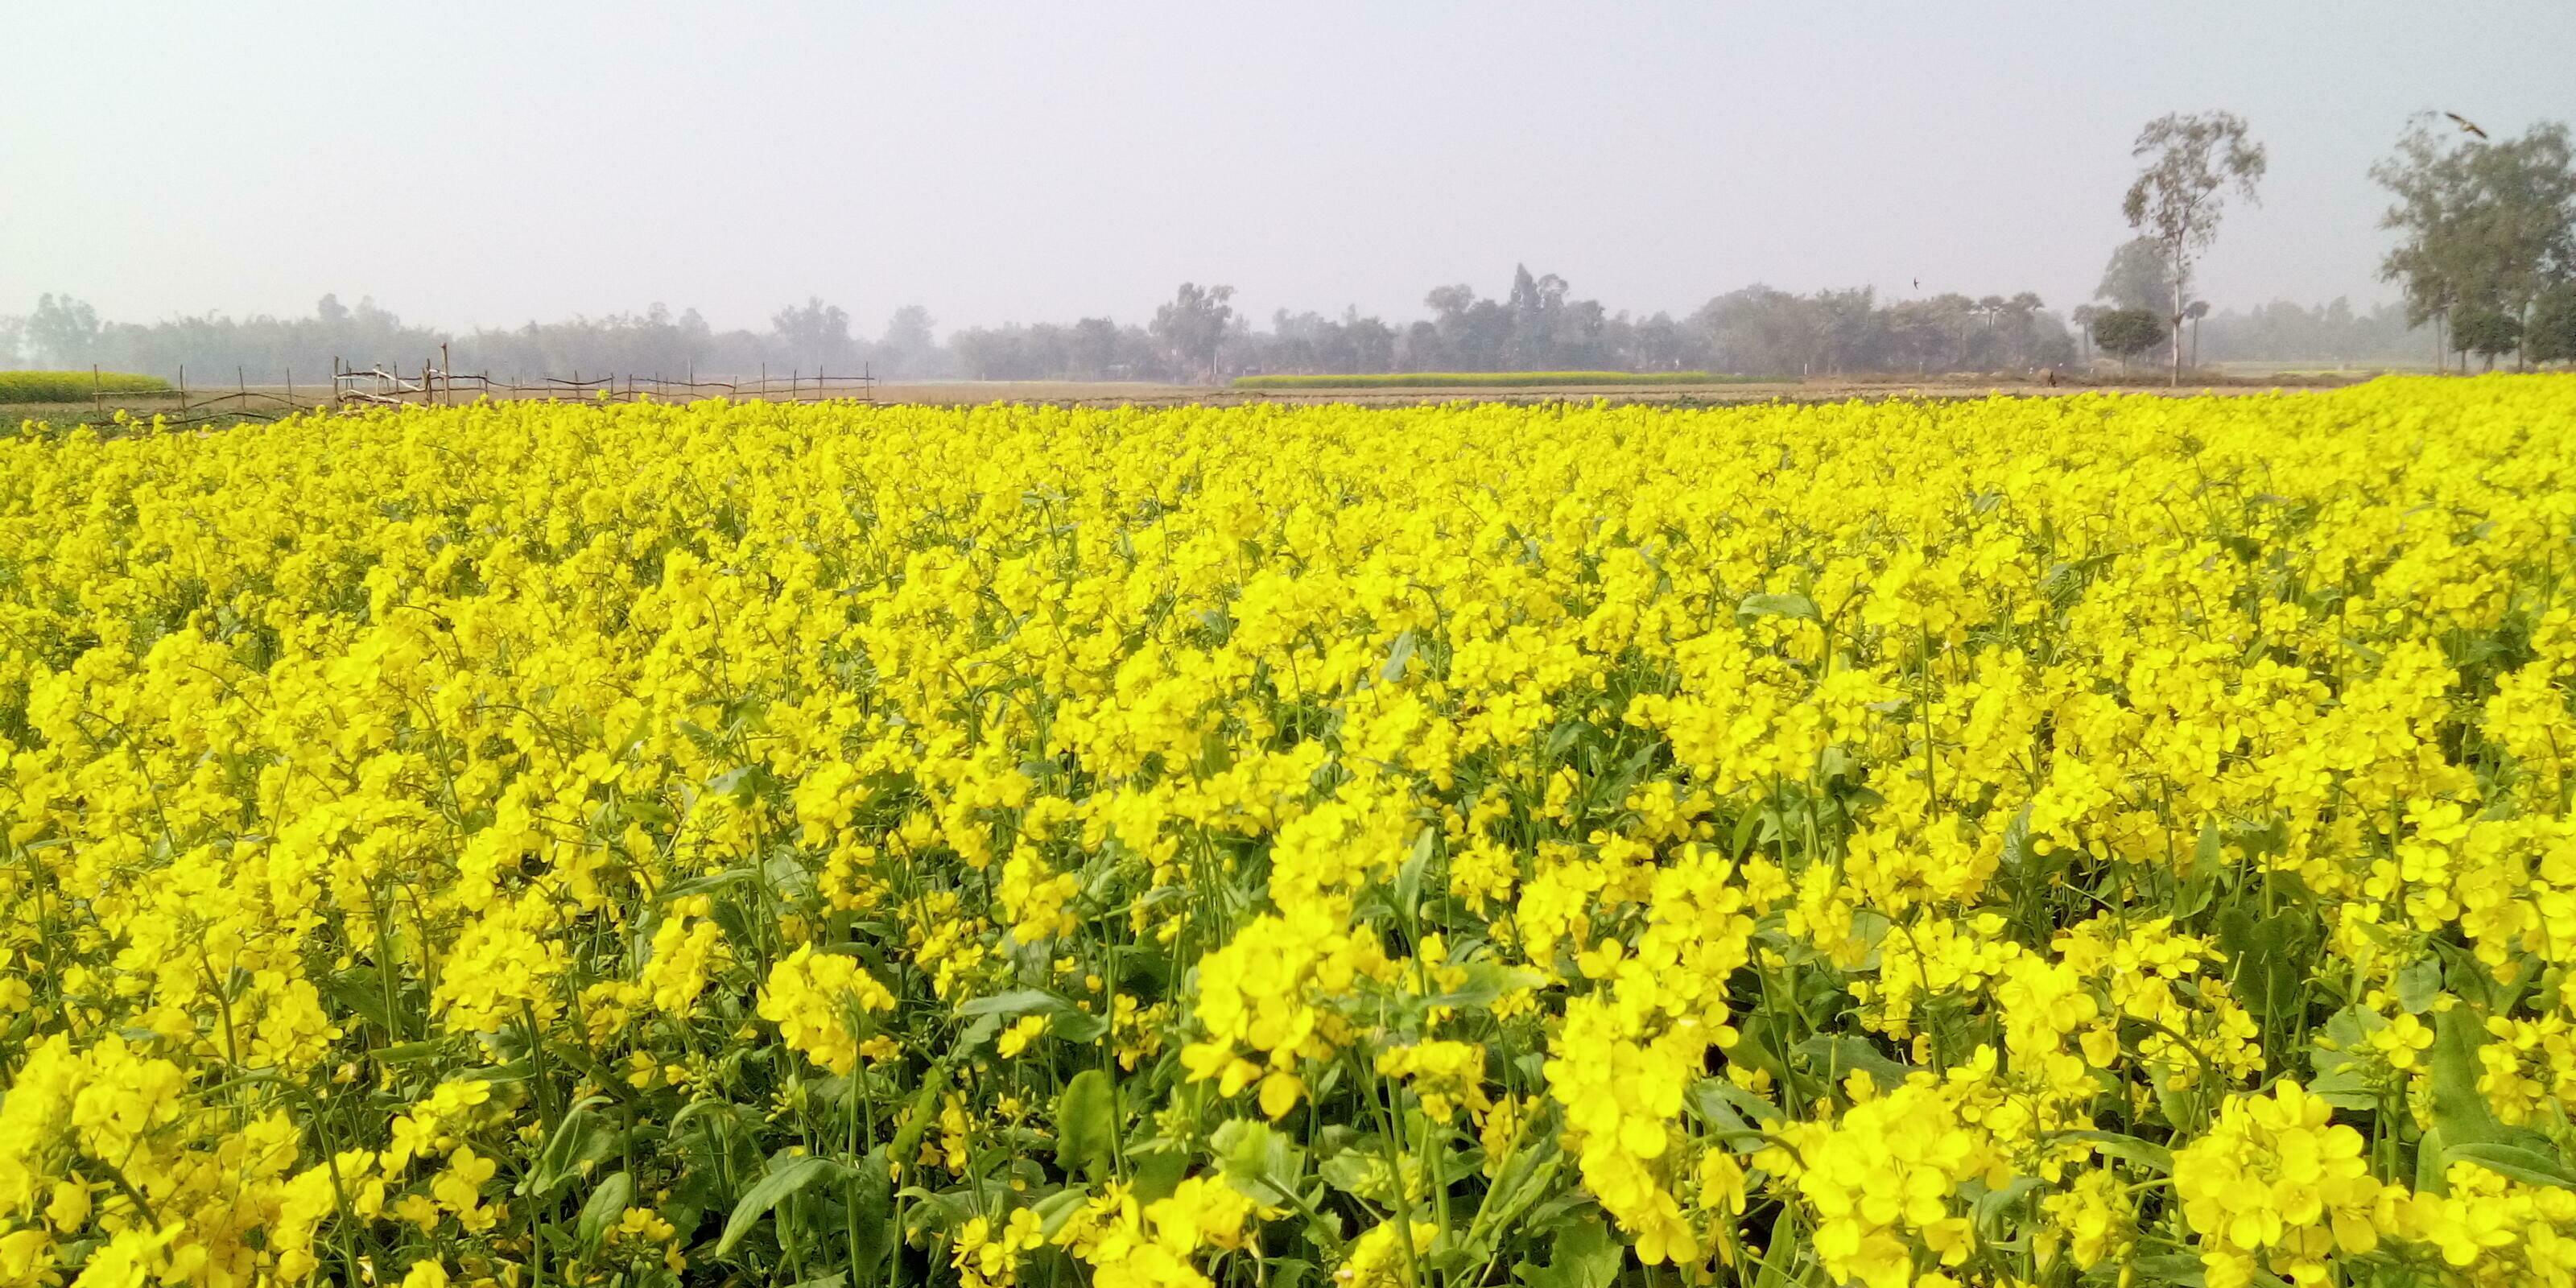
<point>470,163</point>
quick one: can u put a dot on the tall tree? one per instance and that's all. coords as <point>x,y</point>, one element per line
<point>2487,226</point>
<point>2429,181</point>
<point>815,335</point>
<point>2551,337</point>
<point>2083,315</point>
<point>909,348</point>
<point>2139,276</point>
<point>2522,220</point>
<point>2179,194</point>
<point>1092,348</point>
<point>1536,305</point>
<point>63,330</point>
<point>2488,332</point>
<point>1195,323</point>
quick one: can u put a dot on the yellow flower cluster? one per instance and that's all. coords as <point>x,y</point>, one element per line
<point>2051,842</point>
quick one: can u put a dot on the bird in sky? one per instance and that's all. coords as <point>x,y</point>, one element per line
<point>1918,283</point>
<point>2466,125</point>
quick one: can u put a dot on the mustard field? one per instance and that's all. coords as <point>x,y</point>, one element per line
<point>2085,841</point>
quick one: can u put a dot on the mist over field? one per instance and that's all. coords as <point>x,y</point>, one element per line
<point>998,192</point>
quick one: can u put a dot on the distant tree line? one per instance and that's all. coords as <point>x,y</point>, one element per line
<point>2487,239</point>
<point>1535,326</point>
<point>63,332</point>
<point>2127,318</point>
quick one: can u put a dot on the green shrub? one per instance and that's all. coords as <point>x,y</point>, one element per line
<point>1483,379</point>
<point>2126,333</point>
<point>73,386</point>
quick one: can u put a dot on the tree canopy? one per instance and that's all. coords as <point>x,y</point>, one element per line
<point>2191,161</point>
<point>2486,229</point>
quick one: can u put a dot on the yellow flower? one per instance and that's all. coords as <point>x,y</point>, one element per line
<point>1016,1039</point>
<point>2275,1172</point>
<point>1908,814</point>
<point>810,996</point>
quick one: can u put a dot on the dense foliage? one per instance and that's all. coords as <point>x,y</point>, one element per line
<point>1537,327</point>
<point>2487,229</point>
<point>2102,840</point>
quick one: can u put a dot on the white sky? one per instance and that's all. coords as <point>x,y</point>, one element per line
<point>469,163</point>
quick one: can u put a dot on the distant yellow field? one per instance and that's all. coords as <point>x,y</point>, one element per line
<point>72,386</point>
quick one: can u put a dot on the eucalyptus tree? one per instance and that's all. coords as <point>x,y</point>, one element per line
<point>2191,161</point>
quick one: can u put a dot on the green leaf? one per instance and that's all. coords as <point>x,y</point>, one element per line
<point>1016,1002</point>
<point>1779,1249</point>
<point>1524,1177</point>
<point>2176,1269</point>
<point>785,1177</point>
<point>2128,1149</point>
<point>787,875</point>
<point>2017,855</point>
<point>2459,1111</point>
<point>607,1203</point>
<point>1158,1171</point>
<point>870,1195</point>
<point>1358,1171</point>
<point>1840,1053</point>
<point>1747,826</point>
<point>1486,983</point>
<point>1078,1026</point>
<point>581,1137</point>
<point>934,1212</point>
<point>2529,1166</point>
<point>360,992</point>
<point>2270,957</point>
<point>1261,1164</point>
<point>1768,605</point>
<point>1397,656</point>
<point>744,784</point>
<point>1993,1205</point>
<point>1726,1105</point>
<point>917,1116</point>
<point>2428,1164</point>
<point>1408,879</point>
<point>1086,1124</point>
<point>2346,1038</point>
<point>1057,1208</point>
<point>1586,1255</point>
<point>711,881</point>
<point>2345,1087</point>
<point>975,1035</point>
<point>2419,984</point>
